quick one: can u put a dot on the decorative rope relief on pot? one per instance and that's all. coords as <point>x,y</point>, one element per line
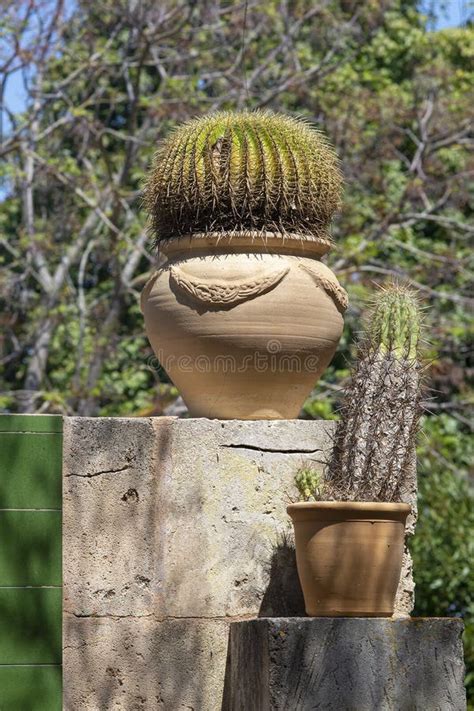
<point>330,285</point>
<point>220,292</point>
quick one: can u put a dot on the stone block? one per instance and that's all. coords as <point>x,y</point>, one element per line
<point>143,663</point>
<point>182,517</point>
<point>345,664</point>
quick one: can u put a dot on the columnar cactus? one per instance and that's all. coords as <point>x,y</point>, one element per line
<point>243,171</point>
<point>375,438</point>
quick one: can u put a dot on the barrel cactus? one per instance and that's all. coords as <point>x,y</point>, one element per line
<point>375,437</point>
<point>243,171</point>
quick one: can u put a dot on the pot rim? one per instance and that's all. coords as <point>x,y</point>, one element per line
<point>248,241</point>
<point>353,505</point>
<point>358,510</point>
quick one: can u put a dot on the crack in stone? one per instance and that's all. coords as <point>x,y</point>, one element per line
<point>274,450</point>
<point>90,475</point>
<point>96,616</point>
<point>166,618</point>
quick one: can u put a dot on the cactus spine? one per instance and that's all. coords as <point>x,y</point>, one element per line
<point>243,171</point>
<point>375,438</point>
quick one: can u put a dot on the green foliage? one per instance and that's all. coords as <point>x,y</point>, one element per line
<point>318,409</point>
<point>443,545</point>
<point>375,436</point>
<point>243,171</point>
<point>309,483</point>
<point>370,94</point>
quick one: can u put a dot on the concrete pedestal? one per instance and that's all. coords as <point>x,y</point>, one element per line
<point>172,530</point>
<point>345,665</point>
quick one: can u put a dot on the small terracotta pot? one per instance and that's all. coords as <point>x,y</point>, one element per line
<point>244,324</point>
<point>349,556</point>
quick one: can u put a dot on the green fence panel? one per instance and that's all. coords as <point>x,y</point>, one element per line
<point>30,470</point>
<point>30,562</point>
<point>30,688</point>
<point>50,424</point>
<point>30,548</point>
<point>30,625</point>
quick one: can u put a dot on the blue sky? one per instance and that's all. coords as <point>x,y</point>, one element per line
<point>456,14</point>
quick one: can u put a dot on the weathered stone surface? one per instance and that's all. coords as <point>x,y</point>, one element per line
<point>171,519</point>
<point>345,665</point>
<point>142,663</point>
<point>181,517</point>
<point>221,514</point>
<point>109,490</point>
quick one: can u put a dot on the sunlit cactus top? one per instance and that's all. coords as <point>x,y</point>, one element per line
<point>243,171</point>
<point>395,322</point>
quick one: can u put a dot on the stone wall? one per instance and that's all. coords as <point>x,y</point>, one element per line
<point>173,528</point>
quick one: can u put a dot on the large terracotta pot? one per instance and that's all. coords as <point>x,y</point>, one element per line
<point>349,556</point>
<point>244,325</point>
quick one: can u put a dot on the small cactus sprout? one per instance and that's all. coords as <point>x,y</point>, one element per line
<point>243,171</point>
<point>375,438</point>
<point>309,483</point>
